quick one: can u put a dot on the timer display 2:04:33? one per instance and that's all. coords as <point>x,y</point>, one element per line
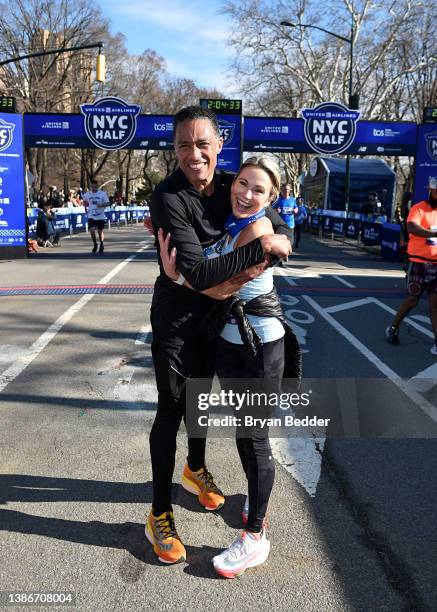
<point>7,104</point>
<point>229,105</point>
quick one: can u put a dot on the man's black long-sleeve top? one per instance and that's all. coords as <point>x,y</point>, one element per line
<point>196,221</point>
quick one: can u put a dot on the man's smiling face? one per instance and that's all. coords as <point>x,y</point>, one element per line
<point>197,146</point>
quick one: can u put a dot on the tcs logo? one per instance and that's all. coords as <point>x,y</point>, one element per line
<point>6,130</point>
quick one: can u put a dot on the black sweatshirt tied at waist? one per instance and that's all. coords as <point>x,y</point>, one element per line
<point>266,305</point>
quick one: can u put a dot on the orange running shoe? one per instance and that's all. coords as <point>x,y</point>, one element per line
<point>162,535</point>
<point>201,483</point>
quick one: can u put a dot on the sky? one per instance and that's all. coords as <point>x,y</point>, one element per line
<point>191,35</point>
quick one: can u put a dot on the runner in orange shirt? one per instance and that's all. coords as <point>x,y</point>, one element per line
<point>422,270</point>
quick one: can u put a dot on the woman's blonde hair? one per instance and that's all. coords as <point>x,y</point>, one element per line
<point>270,167</point>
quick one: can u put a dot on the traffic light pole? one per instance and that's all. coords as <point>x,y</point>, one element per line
<point>100,45</point>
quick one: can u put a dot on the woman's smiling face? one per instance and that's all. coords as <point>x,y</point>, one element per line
<point>250,192</point>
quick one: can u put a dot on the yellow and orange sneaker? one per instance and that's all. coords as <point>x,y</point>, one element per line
<point>162,535</point>
<point>201,483</point>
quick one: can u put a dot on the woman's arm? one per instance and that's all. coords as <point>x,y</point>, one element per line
<point>262,227</point>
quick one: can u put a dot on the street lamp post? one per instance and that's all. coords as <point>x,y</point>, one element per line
<point>352,102</point>
<point>100,67</point>
<point>100,45</point>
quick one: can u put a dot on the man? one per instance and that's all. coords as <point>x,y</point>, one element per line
<point>46,231</point>
<point>299,219</point>
<point>192,205</point>
<point>95,202</point>
<point>285,205</point>
<point>422,270</point>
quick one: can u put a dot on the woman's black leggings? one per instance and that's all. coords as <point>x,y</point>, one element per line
<point>233,361</point>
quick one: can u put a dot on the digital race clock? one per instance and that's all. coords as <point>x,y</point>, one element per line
<point>7,104</point>
<point>224,107</point>
<point>430,114</point>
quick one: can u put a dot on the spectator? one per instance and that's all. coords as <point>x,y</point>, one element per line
<point>299,220</point>
<point>46,232</point>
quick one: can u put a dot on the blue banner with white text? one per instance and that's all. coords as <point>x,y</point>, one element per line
<point>12,195</point>
<point>426,160</point>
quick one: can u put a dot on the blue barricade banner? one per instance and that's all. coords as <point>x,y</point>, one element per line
<point>337,226</point>
<point>326,223</point>
<point>352,228</point>
<point>63,221</point>
<point>78,220</point>
<point>112,215</point>
<point>371,234</point>
<point>313,220</point>
<point>32,216</point>
<point>390,239</point>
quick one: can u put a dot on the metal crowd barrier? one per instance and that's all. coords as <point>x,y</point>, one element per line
<point>374,233</point>
<point>73,220</point>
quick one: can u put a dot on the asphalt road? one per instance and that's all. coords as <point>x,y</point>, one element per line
<point>351,519</point>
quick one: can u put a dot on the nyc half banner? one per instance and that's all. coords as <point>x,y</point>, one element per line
<point>426,160</point>
<point>274,134</point>
<point>111,123</point>
<point>12,204</point>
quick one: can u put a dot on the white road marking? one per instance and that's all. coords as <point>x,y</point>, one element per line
<point>408,320</point>
<point>426,379</point>
<point>347,305</point>
<point>422,318</point>
<point>384,307</point>
<point>314,272</point>
<point>342,280</point>
<point>299,456</point>
<point>20,364</point>
<point>403,385</point>
<point>142,336</point>
<point>144,392</point>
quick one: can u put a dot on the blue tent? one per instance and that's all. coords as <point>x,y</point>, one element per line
<point>325,179</point>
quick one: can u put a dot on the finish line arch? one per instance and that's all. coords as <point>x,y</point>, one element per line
<point>155,132</point>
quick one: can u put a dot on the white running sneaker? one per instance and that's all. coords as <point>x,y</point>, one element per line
<point>245,551</point>
<point>245,511</point>
<point>433,349</point>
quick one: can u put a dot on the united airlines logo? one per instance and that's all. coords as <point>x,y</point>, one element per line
<point>110,123</point>
<point>6,130</point>
<point>330,127</point>
<point>226,129</point>
<point>431,145</point>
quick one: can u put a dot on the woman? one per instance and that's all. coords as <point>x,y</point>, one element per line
<point>251,345</point>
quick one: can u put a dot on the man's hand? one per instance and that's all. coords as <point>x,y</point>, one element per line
<point>148,224</point>
<point>168,258</point>
<point>276,244</point>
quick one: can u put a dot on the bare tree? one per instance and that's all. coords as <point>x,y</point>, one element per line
<point>281,69</point>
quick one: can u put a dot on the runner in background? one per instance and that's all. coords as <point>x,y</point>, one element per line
<point>299,220</point>
<point>422,270</point>
<point>95,202</point>
<point>285,205</point>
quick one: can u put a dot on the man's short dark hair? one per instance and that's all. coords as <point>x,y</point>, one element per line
<point>94,181</point>
<point>191,113</point>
